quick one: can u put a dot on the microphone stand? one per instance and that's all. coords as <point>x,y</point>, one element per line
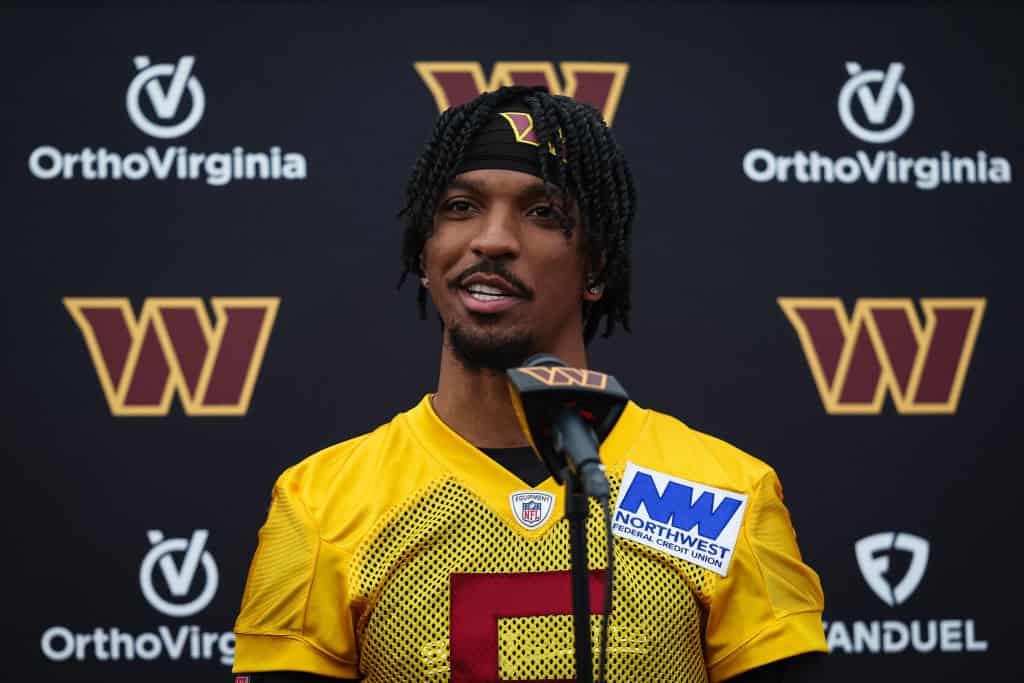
<point>577,509</point>
<point>581,482</point>
<point>566,413</point>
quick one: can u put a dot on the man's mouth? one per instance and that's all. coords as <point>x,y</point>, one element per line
<point>485,293</point>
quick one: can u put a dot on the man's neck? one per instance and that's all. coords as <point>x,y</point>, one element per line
<point>477,405</point>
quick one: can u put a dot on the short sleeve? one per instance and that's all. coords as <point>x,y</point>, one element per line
<point>294,614</point>
<point>769,605</point>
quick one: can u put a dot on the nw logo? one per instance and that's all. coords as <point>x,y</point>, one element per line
<point>598,84</point>
<point>567,377</point>
<point>884,347</point>
<point>179,577</point>
<point>173,347</point>
<point>165,102</point>
<point>876,105</point>
<point>873,557</point>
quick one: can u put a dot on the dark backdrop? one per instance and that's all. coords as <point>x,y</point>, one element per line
<point>93,491</point>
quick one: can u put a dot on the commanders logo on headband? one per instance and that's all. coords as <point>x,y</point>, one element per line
<point>522,128</point>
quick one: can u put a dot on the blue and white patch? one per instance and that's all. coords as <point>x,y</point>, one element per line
<point>531,508</point>
<point>691,521</point>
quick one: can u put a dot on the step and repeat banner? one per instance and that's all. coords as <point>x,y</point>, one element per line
<point>201,252</point>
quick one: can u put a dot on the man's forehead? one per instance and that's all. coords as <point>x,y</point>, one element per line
<point>488,181</point>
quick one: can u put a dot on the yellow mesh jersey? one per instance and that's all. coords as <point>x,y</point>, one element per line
<point>397,556</point>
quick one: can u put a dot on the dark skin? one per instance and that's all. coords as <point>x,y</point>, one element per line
<point>508,217</point>
<point>504,216</point>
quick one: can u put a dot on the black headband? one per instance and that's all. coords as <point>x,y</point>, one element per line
<point>508,141</point>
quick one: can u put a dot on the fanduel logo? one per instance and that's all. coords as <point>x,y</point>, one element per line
<point>157,104</point>
<point>875,554</point>
<point>884,348</point>
<point>691,521</point>
<point>876,107</point>
<point>173,348</point>
<point>179,562</point>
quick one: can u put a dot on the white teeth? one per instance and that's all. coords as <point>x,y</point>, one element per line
<point>485,289</point>
<point>486,297</point>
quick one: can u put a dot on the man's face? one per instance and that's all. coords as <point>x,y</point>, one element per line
<point>504,276</point>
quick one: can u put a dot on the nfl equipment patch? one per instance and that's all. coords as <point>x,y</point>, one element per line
<point>691,521</point>
<point>531,508</point>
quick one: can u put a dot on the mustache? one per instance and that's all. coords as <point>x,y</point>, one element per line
<point>492,267</point>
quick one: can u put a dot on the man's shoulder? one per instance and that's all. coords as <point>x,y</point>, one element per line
<point>668,444</point>
<point>352,465</point>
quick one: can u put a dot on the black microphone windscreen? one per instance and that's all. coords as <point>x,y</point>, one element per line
<point>542,359</point>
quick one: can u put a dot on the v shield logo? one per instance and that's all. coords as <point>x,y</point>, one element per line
<point>165,102</point>
<point>884,347</point>
<point>598,84</point>
<point>179,578</point>
<point>173,347</point>
<point>876,106</point>
<point>873,557</point>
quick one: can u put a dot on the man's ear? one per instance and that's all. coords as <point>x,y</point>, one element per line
<point>593,286</point>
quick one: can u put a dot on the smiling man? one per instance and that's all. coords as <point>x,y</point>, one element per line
<point>434,548</point>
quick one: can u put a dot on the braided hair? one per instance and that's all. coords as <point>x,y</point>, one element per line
<point>594,175</point>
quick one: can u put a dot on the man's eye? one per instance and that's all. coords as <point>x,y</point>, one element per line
<point>545,211</point>
<point>458,206</point>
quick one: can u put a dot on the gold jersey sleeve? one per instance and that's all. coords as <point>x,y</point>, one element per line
<point>769,605</point>
<point>408,555</point>
<point>293,616</point>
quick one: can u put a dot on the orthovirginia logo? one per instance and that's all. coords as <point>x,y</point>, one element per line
<point>876,556</point>
<point>868,109</point>
<point>173,348</point>
<point>884,348</point>
<point>598,84</point>
<point>876,108</point>
<point>178,561</point>
<point>165,102</point>
<point>179,578</point>
<point>157,104</point>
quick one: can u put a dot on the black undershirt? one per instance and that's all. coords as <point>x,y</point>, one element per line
<point>522,462</point>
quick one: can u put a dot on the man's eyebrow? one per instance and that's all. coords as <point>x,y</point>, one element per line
<point>465,185</point>
<point>538,188</point>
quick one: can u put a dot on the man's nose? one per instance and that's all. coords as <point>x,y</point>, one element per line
<point>498,236</point>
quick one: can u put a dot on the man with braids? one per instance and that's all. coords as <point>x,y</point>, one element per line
<point>434,548</point>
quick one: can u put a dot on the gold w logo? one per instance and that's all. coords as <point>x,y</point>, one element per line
<point>173,347</point>
<point>567,377</point>
<point>884,347</point>
<point>598,84</point>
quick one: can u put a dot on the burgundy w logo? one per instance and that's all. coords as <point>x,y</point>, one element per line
<point>173,348</point>
<point>567,377</point>
<point>883,348</point>
<point>598,84</point>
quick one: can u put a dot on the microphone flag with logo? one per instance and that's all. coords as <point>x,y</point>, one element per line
<point>566,413</point>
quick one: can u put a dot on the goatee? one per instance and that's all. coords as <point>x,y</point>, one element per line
<point>479,351</point>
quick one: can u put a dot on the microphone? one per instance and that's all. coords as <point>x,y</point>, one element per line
<point>566,413</point>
